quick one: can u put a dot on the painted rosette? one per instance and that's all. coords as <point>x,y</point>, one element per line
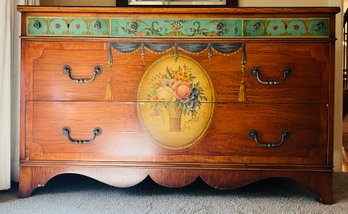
<point>175,102</point>
<point>276,28</point>
<point>58,27</point>
<point>296,28</point>
<point>78,27</point>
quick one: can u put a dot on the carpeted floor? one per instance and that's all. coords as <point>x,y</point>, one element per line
<point>78,194</point>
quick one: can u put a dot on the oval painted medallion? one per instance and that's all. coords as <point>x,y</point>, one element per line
<point>175,102</point>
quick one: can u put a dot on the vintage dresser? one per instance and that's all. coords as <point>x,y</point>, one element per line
<point>230,95</point>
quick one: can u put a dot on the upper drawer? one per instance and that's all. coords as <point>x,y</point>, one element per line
<point>288,72</point>
<point>160,27</point>
<point>274,72</point>
<point>66,71</point>
<point>59,26</point>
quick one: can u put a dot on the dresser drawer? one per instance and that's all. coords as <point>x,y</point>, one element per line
<point>303,124</point>
<point>126,133</point>
<point>288,72</point>
<point>118,124</point>
<point>275,72</point>
<point>307,80</point>
<point>69,70</point>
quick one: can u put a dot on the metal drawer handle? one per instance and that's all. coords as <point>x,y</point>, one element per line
<point>256,72</point>
<point>284,135</point>
<point>96,132</point>
<point>256,26</point>
<point>97,25</point>
<point>37,24</point>
<point>67,70</point>
<point>319,26</point>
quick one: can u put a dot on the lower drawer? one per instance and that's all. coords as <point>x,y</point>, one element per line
<point>225,137</point>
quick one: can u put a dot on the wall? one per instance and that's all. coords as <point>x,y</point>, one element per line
<point>276,3</point>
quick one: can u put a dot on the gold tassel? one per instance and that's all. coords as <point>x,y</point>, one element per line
<point>242,90</point>
<point>110,57</point>
<point>108,92</point>
<point>242,93</point>
<point>142,52</point>
<point>210,55</point>
<point>176,53</point>
<point>110,66</point>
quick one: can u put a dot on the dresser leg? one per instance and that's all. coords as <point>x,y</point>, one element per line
<point>320,184</point>
<point>31,178</point>
<point>25,182</point>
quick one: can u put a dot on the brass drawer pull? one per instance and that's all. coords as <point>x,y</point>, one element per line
<point>284,135</point>
<point>67,70</point>
<point>319,26</point>
<point>256,72</point>
<point>256,26</point>
<point>37,24</point>
<point>96,132</point>
<point>97,25</point>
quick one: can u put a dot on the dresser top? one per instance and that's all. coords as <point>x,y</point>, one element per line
<point>132,10</point>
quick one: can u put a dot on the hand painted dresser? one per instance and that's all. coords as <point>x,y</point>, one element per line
<point>230,95</point>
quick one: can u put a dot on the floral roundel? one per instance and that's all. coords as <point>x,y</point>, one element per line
<point>175,102</point>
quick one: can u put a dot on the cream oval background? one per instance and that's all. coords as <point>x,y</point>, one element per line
<point>157,126</point>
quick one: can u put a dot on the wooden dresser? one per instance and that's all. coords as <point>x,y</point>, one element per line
<point>230,95</point>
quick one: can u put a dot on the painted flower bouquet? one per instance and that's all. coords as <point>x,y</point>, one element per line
<point>176,92</point>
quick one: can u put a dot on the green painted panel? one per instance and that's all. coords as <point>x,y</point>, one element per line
<point>178,28</point>
<point>52,26</point>
<point>126,27</point>
<point>286,27</point>
<point>318,27</point>
<point>36,26</point>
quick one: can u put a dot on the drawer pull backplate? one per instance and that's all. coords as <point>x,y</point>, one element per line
<point>284,135</point>
<point>256,72</point>
<point>67,131</point>
<point>67,70</point>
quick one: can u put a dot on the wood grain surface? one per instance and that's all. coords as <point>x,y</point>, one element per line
<point>226,156</point>
<point>227,140</point>
<point>307,81</point>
